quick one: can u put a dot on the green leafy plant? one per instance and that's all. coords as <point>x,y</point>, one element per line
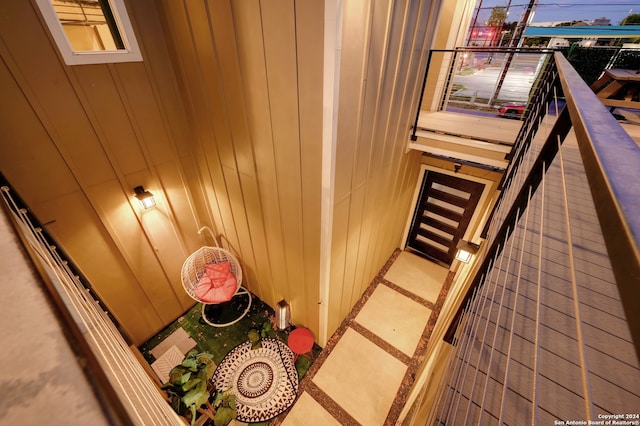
<point>225,406</point>
<point>267,328</point>
<point>256,336</point>
<point>191,392</point>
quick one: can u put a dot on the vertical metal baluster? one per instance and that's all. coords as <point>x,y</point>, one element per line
<point>444,382</point>
<point>586,385</point>
<point>480,299</point>
<point>454,356</point>
<point>484,337</point>
<point>462,349</point>
<point>534,399</point>
<point>505,381</point>
<point>495,332</point>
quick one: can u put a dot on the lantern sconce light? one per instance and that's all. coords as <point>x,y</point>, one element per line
<point>466,250</point>
<point>145,197</point>
<point>283,315</point>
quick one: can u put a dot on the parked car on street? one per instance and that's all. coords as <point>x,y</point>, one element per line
<point>512,110</point>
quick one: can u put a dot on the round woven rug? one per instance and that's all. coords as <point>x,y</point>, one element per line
<point>264,380</point>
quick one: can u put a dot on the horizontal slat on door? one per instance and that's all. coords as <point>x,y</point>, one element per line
<point>449,214</point>
<point>435,237</point>
<point>447,197</point>
<point>430,221</point>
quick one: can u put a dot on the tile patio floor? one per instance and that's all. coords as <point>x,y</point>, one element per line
<point>364,373</point>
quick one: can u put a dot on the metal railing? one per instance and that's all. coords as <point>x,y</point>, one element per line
<point>480,79</point>
<point>556,285</point>
<point>128,394</point>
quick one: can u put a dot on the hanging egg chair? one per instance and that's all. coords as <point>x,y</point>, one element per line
<point>213,277</point>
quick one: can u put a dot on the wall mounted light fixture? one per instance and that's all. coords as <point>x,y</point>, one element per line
<point>145,197</point>
<point>466,250</point>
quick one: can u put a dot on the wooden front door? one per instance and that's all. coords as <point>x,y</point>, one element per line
<point>444,210</point>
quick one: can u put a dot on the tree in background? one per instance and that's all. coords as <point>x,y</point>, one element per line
<point>496,22</point>
<point>498,16</point>
<point>507,33</point>
<point>633,19</point>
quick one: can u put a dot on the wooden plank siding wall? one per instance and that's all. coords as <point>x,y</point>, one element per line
<point>383,54</point>
<point>222,121</point>
<point>252,83</point>
<point>76,140</point>
<point>261,49</point>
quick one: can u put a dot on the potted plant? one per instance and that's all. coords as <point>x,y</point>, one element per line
<point>190,391</point>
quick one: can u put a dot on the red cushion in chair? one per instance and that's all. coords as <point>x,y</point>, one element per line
<point>217,285</point>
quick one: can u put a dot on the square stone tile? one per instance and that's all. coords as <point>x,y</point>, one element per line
<point>165,363</point>
<point>307,411</point>
<point>417,275</point>
<point>178,338</point>
<point>361,377</point>
<point>395,318</point>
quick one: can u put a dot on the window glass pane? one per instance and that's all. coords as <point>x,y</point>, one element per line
<point>88,24</point>
<point>91,31</point>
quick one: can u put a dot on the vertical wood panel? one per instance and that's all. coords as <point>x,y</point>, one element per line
<point>338,264</point>
<point>356,39</point>
<point>309,36</point>
<point>353,63</point>
<point>147,239</point>
<point>113,126</point>
<point>120,221</point>
<point>416,33</point>
<point>171,121</point>
<point>147,121</point>
<point>26,149</point>
<point>278,23</point>
<point>406,31</point>
<point>198,175</point>
<point>351,289</point>
<point>211,129</point>
<point>382,47</point>
<point>163,124</point>
<point>266,227</point>
<point>226,47</point>
<point>374,137</point>
<point>222,24</point>
<point>372,121</point>
<point>167,234</point>
<point>259,272</point>
<point>393,103</point>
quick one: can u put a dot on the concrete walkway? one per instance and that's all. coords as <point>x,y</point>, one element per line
<point>365,371</point>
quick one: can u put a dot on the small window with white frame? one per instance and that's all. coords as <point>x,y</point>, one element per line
<point>91,31</point>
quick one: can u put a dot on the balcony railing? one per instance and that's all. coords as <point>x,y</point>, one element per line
<point>479,79</point>
<point>549,328</point>
<point>125,390</point>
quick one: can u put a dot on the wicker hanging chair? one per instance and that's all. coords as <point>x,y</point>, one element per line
<point>213,277</point>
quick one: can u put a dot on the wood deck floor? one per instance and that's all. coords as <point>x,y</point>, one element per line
<point>482,140</point>
<point>489,129</point>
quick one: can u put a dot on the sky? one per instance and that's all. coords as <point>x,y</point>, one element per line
<point>564,10</point>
